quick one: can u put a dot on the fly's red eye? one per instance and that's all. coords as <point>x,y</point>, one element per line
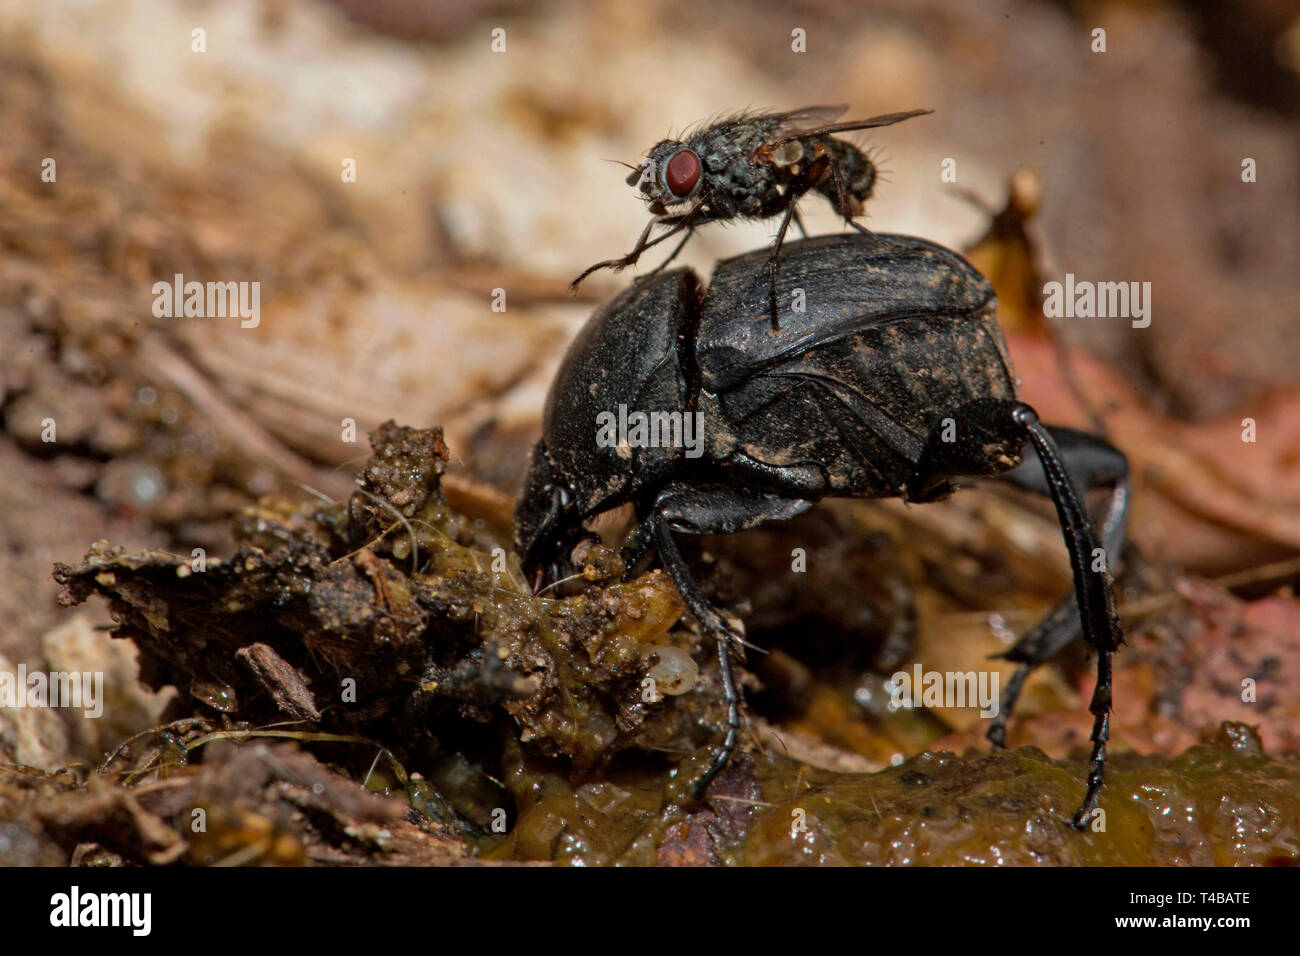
<point>682,172</point>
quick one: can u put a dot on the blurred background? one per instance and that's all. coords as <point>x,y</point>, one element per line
<point>214,139</point>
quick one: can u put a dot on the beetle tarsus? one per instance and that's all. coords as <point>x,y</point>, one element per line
<point>997,732</point>
<point>731,696</point>
<point>1100,707</point>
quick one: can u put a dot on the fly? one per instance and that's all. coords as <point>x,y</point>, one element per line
<point>753,166</point>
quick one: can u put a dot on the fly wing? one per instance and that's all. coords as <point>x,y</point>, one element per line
<point>783,131</point>
<point>888,119</point>
<point>827,288</point>
<point>807,116</point>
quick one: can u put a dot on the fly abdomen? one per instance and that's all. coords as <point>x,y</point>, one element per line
<point>850,178</point>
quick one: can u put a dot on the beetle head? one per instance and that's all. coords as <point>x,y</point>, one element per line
<point>670,174</point>
<point>546,525</point>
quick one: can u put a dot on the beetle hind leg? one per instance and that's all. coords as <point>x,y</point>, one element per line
<point>1034,648</point>
<point>1092,591</point>
<point>1093,463</point>
<point>992,429</point>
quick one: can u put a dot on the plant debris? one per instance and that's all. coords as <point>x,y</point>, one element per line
<point>371,681</point>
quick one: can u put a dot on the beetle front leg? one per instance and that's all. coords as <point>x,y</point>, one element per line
<point>723,635</point>
<point>713,509</point>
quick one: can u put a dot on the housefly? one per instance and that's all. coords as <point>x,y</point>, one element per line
<point>752,166</point>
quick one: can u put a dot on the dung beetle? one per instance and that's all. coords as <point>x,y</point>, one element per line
<point>888,377</point>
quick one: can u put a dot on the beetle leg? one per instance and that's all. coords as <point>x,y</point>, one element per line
<point>709,510</point>
<point>656,532</point>
<point>1092,588</point>
<point>640,542</point>
<point>1093,463</point>
<point>771,263</point>
<point>723,634</point>
<point>806,482</point>
<point>1035,647</point>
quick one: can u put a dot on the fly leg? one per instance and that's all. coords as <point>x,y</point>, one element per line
<point>630,259</point>
<point>678,223</point>
<point>798,221</point>
<point>771,264</point>
<point>842,204</point>
<point>690,231</point>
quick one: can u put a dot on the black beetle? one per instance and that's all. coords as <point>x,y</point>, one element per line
<point>888,377</point>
